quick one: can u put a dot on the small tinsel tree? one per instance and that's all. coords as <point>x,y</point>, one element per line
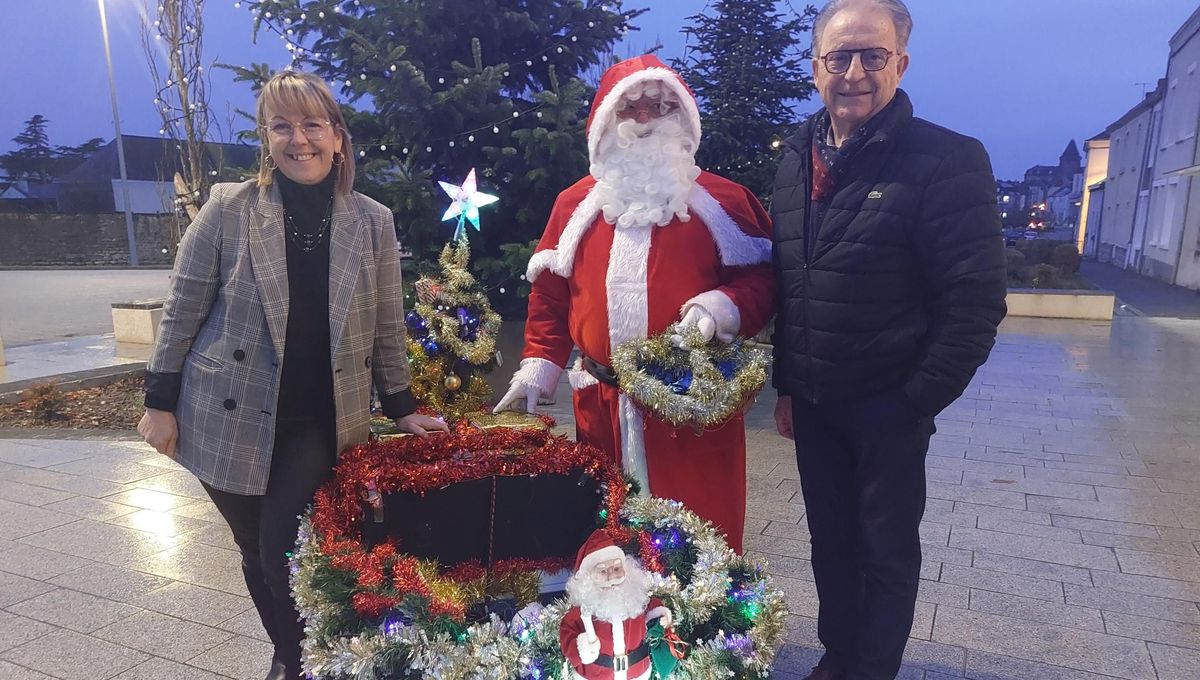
<point>452,338</point>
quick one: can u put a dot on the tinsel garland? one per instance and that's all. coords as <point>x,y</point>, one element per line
<point>701,385</point>
<point>376,614</point>
<point>451,337</point>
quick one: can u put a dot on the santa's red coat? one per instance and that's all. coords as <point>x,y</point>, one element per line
<point>633,633</point>
<point>720,256</point>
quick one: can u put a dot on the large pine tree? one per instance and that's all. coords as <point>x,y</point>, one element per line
<point>34,159</point>
<point>746,63</point>
<point>442,86</point>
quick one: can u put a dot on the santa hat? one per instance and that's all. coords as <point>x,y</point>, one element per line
<point>598,548</point>
<point>620,79</point>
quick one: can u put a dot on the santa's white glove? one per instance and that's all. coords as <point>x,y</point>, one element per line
<point>589,648</point>
<point>700,318</point>
<point>535,379</point>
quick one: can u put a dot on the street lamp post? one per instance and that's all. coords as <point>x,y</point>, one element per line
<point>112,89</point>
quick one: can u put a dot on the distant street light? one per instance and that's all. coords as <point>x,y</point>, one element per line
<point>112,89</point>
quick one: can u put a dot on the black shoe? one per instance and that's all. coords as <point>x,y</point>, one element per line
<point>278,671</point>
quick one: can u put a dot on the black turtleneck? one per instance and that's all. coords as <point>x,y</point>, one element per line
<point>306,385</point>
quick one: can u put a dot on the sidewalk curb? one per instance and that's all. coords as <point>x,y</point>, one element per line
<point>66,433</point>
<point>10,393</point>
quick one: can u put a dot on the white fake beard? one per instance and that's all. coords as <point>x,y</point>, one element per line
<point>644,172</point>
<point>621,602</point>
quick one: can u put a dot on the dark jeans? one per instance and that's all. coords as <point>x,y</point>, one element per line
<point>265,527</point>
<point>862,471</point>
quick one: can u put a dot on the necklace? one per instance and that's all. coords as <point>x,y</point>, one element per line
<point>308,241</point>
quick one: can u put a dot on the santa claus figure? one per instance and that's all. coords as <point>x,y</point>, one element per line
<point>603,635</point>
<point>646,240</point>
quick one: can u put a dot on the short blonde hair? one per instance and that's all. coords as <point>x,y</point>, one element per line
<point>303,92</point>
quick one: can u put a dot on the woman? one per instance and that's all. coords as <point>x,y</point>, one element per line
<point>285,302</point>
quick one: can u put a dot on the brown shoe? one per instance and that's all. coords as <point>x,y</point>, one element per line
<point>819,673</point>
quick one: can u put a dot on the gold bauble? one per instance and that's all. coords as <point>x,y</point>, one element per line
<point>453,382</point>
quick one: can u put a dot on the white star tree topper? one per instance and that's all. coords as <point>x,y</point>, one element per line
<point>466,200</point>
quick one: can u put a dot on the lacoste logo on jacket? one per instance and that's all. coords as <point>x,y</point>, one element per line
<point>875,194</point>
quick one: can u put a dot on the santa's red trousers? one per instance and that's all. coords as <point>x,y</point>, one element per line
<point>707,472</point>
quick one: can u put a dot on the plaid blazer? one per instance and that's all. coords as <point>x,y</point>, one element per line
<point>225,320</point>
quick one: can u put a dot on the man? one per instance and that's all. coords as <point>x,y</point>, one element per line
<point>646,240</point>
<point>603,634</point>
<point>889,267</point>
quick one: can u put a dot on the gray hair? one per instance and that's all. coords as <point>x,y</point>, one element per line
<point>901,19</point>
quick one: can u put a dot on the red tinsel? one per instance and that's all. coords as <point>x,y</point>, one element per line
<point>420,464</point>
<point>650,553</point>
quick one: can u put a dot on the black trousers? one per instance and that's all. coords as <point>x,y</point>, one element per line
<point>862,472</point>
<point>265,527</point>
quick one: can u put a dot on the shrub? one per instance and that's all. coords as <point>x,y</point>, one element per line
<point>44,401</point>
<point>1044,276</point>
<point>1014,261</point>
<point>1066,257</point>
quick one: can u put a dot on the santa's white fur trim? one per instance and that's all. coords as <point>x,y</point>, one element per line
<point>579,378</point>
<point>608,552</point>
<point>736,247</point>
<point>721,308</point>
<point>542,374</point>
<point>561,259</point>
<point>605,116</point>
<point>658,612</point>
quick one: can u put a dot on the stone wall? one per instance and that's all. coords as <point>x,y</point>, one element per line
<point>74,240</point>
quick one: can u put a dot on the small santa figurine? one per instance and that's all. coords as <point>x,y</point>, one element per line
<point>646,240</point>
<point>603,635</point>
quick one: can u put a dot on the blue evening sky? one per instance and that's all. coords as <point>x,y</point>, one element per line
<point>1025,76</point>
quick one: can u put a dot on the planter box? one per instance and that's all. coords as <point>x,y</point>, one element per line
<point>1061,304</point>
<point>137,322</point>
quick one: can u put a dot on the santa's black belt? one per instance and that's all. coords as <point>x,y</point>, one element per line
<point>624,662</point>
<point>600,372</point>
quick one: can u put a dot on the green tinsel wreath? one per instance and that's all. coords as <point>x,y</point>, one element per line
<point>699,384</point>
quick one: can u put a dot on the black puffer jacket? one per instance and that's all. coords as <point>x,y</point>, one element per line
<point>903,285</point>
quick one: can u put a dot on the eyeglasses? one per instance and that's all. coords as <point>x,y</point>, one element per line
<point>314,130</point>
<point>838,62</point>
<point>655,107</point>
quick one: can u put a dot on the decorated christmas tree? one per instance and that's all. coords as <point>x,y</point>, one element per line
<point>452,337</point>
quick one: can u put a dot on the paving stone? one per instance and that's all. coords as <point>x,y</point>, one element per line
<point>942,657</point>
<point>24,520</point>
<point>208,567</point>
<point>177,483</point>
<point>1054,645</point>
<point>1163,566</point>
<point>923,616</point>
<point>73,610</point>
<point>1104,526</point>
<point>1153,629</point>
<point>1113,600</point>
<point>10,671</point>
<point>1025,529</point>
<point>1076,555</point>
<point>1000,582</point>
<point>239,658</point>
<point>14,589</point>
<point>72,656</point>
<point>107,467</point>
<point>61,481</point>
<point>1154,545</point>
<point>101,542</point>
<point>1148,585</point>
<point>163,635</point>
<point>159,669</point>
<point>248,624</point>
<point>1002,514</point>
<point>17,630</point>
<point>150,500</point>
<point>1043,611</point>
<point>159,523</point>
<point>985,666</point>
<point>977,495</point>
<point>91,508</point>
<point>25,454</point>
<point>37,563</point>
<point>1156,515</point>
<point>193,603</point>
<point>1091,477</point>
<point>1034,568</point>
<point>113,583</point>
<point>1029,486</point>
<point>30,495</point>
<point>936,592</point>
<point>1174,663</point>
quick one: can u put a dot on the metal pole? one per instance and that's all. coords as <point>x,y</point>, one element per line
<point>112,89</point>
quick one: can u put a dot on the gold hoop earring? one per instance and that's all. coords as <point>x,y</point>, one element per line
<point>270,163</point>
<point>338,158</point>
